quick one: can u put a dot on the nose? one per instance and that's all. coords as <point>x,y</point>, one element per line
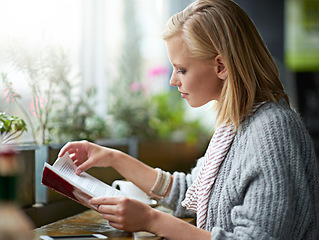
<point>174,81</point>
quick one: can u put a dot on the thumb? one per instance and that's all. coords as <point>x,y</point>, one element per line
<point>83,167</point>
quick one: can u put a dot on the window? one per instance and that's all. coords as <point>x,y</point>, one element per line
<point>53,51</point>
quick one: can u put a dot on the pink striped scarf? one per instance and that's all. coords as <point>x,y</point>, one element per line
<point>197,195</point>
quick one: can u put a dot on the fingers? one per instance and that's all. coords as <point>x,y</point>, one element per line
<point>115,223</point>
<point>105,200</point>
<point>124,213</point>
<point>67,148</point>
<point>110,217</point>
<point>110,205</point>
<point>77,152</point>
<point>71,147</point>
<point>111,209</point>
<point>83,166</point>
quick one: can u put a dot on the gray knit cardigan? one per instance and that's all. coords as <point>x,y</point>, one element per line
<point>267,187</point>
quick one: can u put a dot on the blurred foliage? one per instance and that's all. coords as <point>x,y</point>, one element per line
<point>129,107</point>
<point>159,117</point>
<point>43,66</point>
<point>75,119</point>
<point>59,110</point>
<point>11,96</point>
<point>170,119</point>
<point>10,127</point>
<point>65,112</point>
<point>131,117</point>
<point>138,114</point>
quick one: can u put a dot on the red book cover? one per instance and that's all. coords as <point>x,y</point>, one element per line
<point>57,183</point>
<point>81,188</point>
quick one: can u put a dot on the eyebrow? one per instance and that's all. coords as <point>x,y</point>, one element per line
<point>178,65</point>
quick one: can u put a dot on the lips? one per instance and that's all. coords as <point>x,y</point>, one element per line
<point>184,95</point>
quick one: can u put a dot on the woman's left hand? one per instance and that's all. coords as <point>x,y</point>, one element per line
<point>124,213</point>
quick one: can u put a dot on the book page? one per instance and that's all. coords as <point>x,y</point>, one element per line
<point>84,181</point>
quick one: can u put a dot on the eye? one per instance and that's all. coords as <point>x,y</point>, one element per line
<point>181,70</point>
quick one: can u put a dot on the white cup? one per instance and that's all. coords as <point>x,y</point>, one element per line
<point>132,191</point>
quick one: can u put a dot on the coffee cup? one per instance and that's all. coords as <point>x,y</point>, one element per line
<point>132,191</point>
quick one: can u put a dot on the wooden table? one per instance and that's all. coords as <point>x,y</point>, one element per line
<point>90,222</point>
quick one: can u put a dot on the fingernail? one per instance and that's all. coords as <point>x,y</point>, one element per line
<point>78,172</point>
<point>60,153</point>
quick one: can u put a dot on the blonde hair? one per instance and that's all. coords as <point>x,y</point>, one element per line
<point>212,27</point>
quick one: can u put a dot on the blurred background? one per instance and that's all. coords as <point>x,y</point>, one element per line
<point>98,69</point>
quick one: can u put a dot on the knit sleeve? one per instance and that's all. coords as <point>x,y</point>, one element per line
<point>181,183</point>
<point>272,192</point>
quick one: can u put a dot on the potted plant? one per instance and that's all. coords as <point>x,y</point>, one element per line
<point>57,111</point>
<point>180,140</point>
<point>10,128</point>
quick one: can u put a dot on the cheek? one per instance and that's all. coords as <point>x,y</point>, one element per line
<point>210,88</point>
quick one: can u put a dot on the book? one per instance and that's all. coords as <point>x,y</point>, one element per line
<point>61,178</point>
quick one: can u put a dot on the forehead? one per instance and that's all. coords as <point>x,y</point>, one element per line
<point>180,56</point>
<point>178,52</point>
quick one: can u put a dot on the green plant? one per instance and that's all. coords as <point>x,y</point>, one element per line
<point>129,106</point>
<point>170,121</point>
<point>162,116</point>
<point>59,110</point>
<point>132,117</point>
<point>11,96</point>
<point>43,66</point>
<point>75,119</point>
<point>10,127</point>
<point>138,114</point>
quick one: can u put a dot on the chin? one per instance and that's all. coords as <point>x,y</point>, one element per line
<point>197,104</point>
<point>194,105</point>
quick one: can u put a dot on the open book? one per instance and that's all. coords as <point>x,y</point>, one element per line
<point>81,188</point>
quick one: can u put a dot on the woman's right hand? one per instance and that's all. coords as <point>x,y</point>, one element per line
<point>86,155</point>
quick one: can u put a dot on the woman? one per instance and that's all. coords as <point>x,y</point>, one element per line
<point>258,178</point>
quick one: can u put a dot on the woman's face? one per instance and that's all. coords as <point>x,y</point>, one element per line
<point>196,79</point>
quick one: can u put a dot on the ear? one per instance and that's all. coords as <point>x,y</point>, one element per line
<point>221,69</point>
